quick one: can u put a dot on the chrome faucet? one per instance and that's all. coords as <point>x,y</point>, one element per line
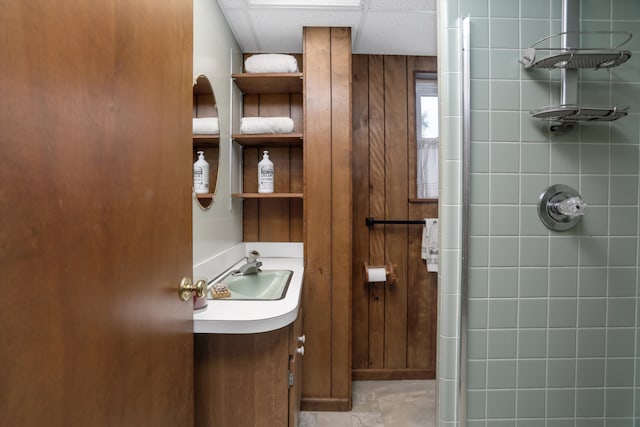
<point>252,265</point>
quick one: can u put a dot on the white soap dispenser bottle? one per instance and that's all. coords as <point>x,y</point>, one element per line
<point>201,175</point>
<point>265,174</point>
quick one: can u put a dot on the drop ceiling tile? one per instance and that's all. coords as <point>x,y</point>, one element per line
<point>399,33</point>
<point>242,30</point>
<point>281,30</point>
<point>396,5</point>
<point>402,27</point>
<point>233,4</point>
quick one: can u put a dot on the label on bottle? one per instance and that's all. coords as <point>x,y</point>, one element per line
<point>265,180</point>
<point>200,183</point>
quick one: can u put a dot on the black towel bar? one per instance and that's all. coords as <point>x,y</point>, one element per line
<point>371,222</point>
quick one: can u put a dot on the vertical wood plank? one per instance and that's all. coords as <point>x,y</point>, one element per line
<point>416,274</point>
<point>210,363</point>
<point>296,205</point>
<point>422,297</point>
<point>239,356</point>
<point>274,213</point>
<point>296,165</point>
<point>297,112</point>
<point>395,134</point>
<point>250,105</point>
<point>341,212</point>
<point>271,379</point>
<point>421,285</point>
<point>360,170</point>
<point>250,208</point>
<point>317,164</point>
<point>377,207</point>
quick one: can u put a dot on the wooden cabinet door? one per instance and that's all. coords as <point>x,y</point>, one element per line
<point>241,379</point>
<point>95,213</point>
<point>297,340</point>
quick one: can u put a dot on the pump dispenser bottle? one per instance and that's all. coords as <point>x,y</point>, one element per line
<point>265,174</point>
<point>201,175</point>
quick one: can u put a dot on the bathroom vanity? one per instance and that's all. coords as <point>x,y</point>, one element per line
<point>248,352</point>
<point>249,379</point>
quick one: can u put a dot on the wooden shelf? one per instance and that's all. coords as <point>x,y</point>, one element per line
<point>204,200</point>
<point>204,196</point>
<point>268,82</point>
<point>423,200</point>
<point>267,195</point>
<point>206,140</point>
<point>285,139</point>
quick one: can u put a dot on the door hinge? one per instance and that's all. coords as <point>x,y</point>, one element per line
<point>290,379</point>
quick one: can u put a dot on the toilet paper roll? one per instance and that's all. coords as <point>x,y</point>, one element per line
<point>376,274</point>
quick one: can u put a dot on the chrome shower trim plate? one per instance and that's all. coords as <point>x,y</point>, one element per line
<point>558,219</point>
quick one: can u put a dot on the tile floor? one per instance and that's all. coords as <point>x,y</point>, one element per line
<point>382,404</point>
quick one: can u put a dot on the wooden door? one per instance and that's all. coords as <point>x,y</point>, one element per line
<point>394,325</point>
<point>95,213</point>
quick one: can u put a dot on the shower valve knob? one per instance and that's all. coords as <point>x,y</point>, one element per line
<point>572,207</point>
<point>560,207</point>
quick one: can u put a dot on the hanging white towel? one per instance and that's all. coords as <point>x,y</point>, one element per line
<point>430,247</point>
<point>427,173</point>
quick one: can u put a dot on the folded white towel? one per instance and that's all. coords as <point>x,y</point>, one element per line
<point>257,125</point>
<point>205,126</point>
<point>430,247</point>
<point>271,63</point>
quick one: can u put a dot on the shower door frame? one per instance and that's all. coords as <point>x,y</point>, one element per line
<point>464,219</point>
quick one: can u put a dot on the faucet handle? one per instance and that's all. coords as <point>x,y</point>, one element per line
<point>572,207</point>
<point>253,255</point>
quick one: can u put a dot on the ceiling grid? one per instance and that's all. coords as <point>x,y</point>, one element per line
<point>382,27</point>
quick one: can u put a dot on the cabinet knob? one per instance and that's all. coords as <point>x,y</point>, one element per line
<point>302,339</point>
<point>300,350</point>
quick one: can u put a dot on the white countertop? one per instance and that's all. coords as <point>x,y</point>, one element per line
<point>225,316</point>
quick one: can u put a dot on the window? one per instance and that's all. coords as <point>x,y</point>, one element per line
<point>427,135</point>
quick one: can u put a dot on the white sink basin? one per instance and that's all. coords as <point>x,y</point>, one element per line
<point>266,285</point>
<point>253,315</point>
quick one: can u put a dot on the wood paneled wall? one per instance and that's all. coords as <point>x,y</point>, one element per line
<point>382,332</point>
<point>394,326</point>
<point>327,213</point>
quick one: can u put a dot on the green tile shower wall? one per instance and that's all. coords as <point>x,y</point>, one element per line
<point>553,317</point>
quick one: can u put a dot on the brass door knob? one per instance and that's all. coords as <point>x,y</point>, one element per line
<point>187,287</point>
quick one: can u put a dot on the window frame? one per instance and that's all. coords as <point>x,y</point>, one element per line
<point>421,76</point>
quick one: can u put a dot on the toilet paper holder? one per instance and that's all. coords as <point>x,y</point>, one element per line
<point>390,272</point>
